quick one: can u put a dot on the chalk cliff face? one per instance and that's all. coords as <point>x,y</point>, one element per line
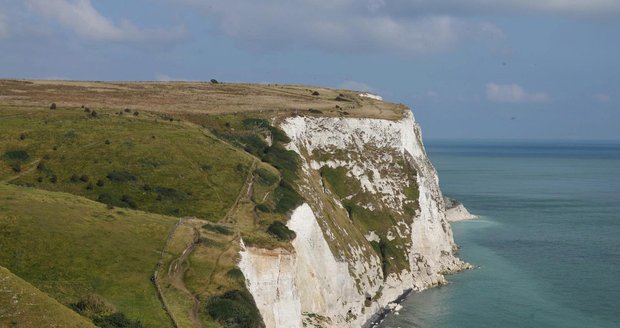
<point>372,228</point>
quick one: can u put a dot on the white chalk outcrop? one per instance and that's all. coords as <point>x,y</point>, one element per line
<point>334,277</point>
<point>456,211</point>
<point>371,96</point>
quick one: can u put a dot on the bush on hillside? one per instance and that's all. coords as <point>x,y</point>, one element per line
<point>286,198</point>
<point>121,176</point>
<point>265,177</point>
<point>93,305</point>
<point>16,155</point>
<point>234,308</point>
<point>116,320</point>
<point>218,229</point>
<point>16,167</point>
<point>281,231</point>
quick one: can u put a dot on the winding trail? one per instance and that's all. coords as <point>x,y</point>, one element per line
<point>31,167</point>
<point>245,190</point>
<point>176,273</point>
<point>179,266</point>
<point>155,277</point>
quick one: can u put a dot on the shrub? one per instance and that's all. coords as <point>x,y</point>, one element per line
<point>99,183</point>
<point>22,136</point>
<point>93,305</point>
<point>136,113</point>
<point>106,198</point>
<point>53,178</point>
<point>214,81</point>
<point>263,208</point>
<point>116,320</point>
<point>42,167</point>
<point>241,168</point>
<point>286,198</point>
<point>16,167</point>
<point>89,186</point>
<point>84,178</point>
<point>129,202</point>
<point>16,155</point>
<point>147,187</point>
<point>265,177</point>
<point>314,111</point>
<point>234,308</point>
<point>53,106</point>
<point>281,231</point>
<point>236,274</point>
<point>74,178</point>
<point>315,93</point>
<point>170,193</point>
<point>286,161</point>
<point>205,167</point>
<point>342,97</point>
<point>256,122</point>
<point>86,110</point>
<point>127,110</point>
<point>107,142</point>
<point>210,242</point>
<point>121,176</point>
<point>218,229</point>
<point>93,114</point>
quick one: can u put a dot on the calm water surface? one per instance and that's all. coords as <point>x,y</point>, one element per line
<point>547,243</point>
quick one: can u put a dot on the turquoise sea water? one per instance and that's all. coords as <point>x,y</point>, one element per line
<point>547,243</point>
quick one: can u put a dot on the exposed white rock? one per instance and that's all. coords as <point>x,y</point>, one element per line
<point>372,236</point>
<point>371,96</point>
<point>456,211</point>
<point>341,282</point>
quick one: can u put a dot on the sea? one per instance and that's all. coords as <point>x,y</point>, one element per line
<point>546,245</point>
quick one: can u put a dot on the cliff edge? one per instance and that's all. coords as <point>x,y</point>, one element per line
<point>373,225</point>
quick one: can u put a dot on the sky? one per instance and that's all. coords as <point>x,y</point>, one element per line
<point>469,69</point>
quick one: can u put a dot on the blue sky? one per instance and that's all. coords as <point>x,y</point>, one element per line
<point>512,69</point>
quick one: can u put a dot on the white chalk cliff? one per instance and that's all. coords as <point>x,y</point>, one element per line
<point>343,271</point>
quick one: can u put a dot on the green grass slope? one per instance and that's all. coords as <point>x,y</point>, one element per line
<point>22,305</point>
<point>140,162</point>
<point>71,247</point>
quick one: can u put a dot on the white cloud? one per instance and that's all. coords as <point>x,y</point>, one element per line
<point>602,98</point>
<point>4,27</point>
<point>431,94</point>
<point>344,26</point>
<point>513,93</point>
<point>573,8</point>
<point>82,18</point>
<point>166,78</point>
<point>356,86</point>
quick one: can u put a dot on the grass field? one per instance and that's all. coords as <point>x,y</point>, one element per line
<point>141,163</point>
<point>24,306</point>
<point>70,247</point>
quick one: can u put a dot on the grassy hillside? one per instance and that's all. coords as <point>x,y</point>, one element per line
<point>24,306</point>
<point>71,247</point>
<point>139,162</point>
